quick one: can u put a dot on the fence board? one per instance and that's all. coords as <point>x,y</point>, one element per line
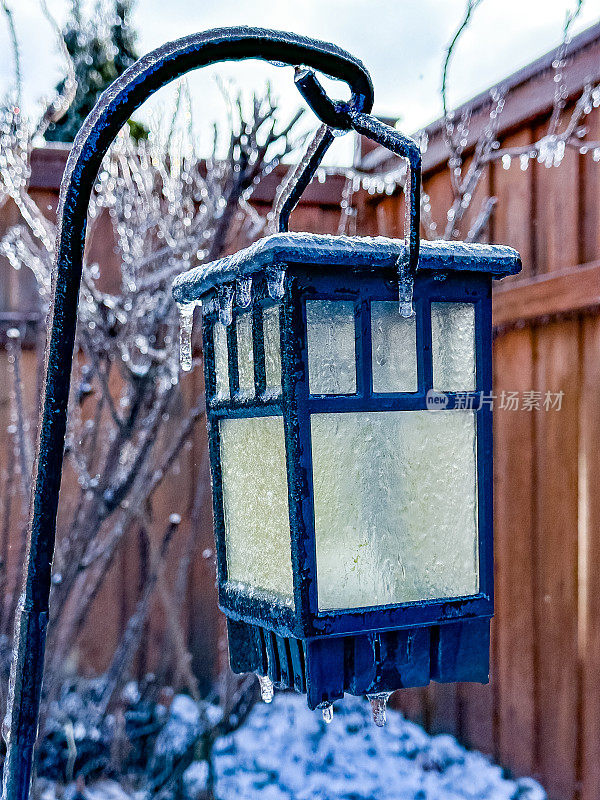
<point>557,369</point>
<point>589,559</point>
<point>412,704</point>
<point>442,711</point>
<point>514,211</point>
<point>513,529</point>
<point>590,195</point>
<point>556,211</point>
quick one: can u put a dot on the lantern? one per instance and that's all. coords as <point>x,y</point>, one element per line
<point>350,432</point>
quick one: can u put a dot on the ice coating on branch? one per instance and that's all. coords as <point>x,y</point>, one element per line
<point>267,689</point>
<point>453,346</point>
<point>331,346</point>
<point>395,506</point>
<point>186,324</point>
<point>394,348</point>
<point>378,702</point>
<point>272,348</point>
<point>551,150</point>
<point>255,500</point>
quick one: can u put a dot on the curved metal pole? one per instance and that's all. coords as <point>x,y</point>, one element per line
<point>112,111</point>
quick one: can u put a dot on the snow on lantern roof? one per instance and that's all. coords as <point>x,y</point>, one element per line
<point>366,252</point>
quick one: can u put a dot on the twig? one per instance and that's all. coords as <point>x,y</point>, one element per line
<point>20,423</point>
<point>117,672</point>
<point>471,6</point>
<point>14,42</point>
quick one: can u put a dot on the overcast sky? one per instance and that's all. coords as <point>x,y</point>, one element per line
<point>400,41</point>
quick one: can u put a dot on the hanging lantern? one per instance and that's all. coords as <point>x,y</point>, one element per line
<point>348,387</point>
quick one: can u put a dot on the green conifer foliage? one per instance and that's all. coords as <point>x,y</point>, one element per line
<point>102,46</point>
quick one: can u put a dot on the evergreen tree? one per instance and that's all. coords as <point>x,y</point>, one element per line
<point>123,36</point>
<point>102,46</point>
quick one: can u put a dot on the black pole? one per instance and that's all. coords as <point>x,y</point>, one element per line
<point>112,111</point>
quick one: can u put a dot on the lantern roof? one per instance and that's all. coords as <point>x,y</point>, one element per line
<point>344,252</point>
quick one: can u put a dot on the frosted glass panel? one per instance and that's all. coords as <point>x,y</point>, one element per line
<point>453,346</point>
<point>221,362</point>
<point>331,350</point>
<point>395,507</point>
<point>272,345</point>
<point>245,350</point>
<point>255,501</point>
<point>394,341</point>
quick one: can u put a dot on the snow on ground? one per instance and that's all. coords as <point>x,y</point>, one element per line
<point>286,752</point>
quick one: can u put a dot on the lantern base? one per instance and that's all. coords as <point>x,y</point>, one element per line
<point>378,661</point>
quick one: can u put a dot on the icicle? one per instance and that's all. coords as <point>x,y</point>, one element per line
<point>266,688</point>
<point>186,323</point>
<point>226,304</point>
<point>244,291</point>
<point>405,279</point>
<point>275,281</point>
<point>405,287</point>
<point>378,702</point>
<point>327,711</point>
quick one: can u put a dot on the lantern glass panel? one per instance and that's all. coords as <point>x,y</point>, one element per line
<point>394,341</point>
<point>272,346</point>
<point>245,351</point>
<point>221,361</point>
<point>255,502</point>
<point>395,507</point>
<point>331,346</point>
<point>453,346</point>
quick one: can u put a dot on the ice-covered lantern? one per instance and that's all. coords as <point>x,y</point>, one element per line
<point>351,451</point>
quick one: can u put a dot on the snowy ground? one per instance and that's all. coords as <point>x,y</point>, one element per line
<point>285,751</point>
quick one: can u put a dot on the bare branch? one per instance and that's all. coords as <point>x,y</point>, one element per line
<point>471,6</point>
<point>117,673</point>
<point>14,42</point>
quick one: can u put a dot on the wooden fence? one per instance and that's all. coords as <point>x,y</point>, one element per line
<point>540,714</point>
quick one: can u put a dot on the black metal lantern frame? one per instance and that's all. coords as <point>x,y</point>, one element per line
<point>374,649</point>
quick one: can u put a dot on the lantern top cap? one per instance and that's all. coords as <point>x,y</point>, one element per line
<point>324,250</point>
